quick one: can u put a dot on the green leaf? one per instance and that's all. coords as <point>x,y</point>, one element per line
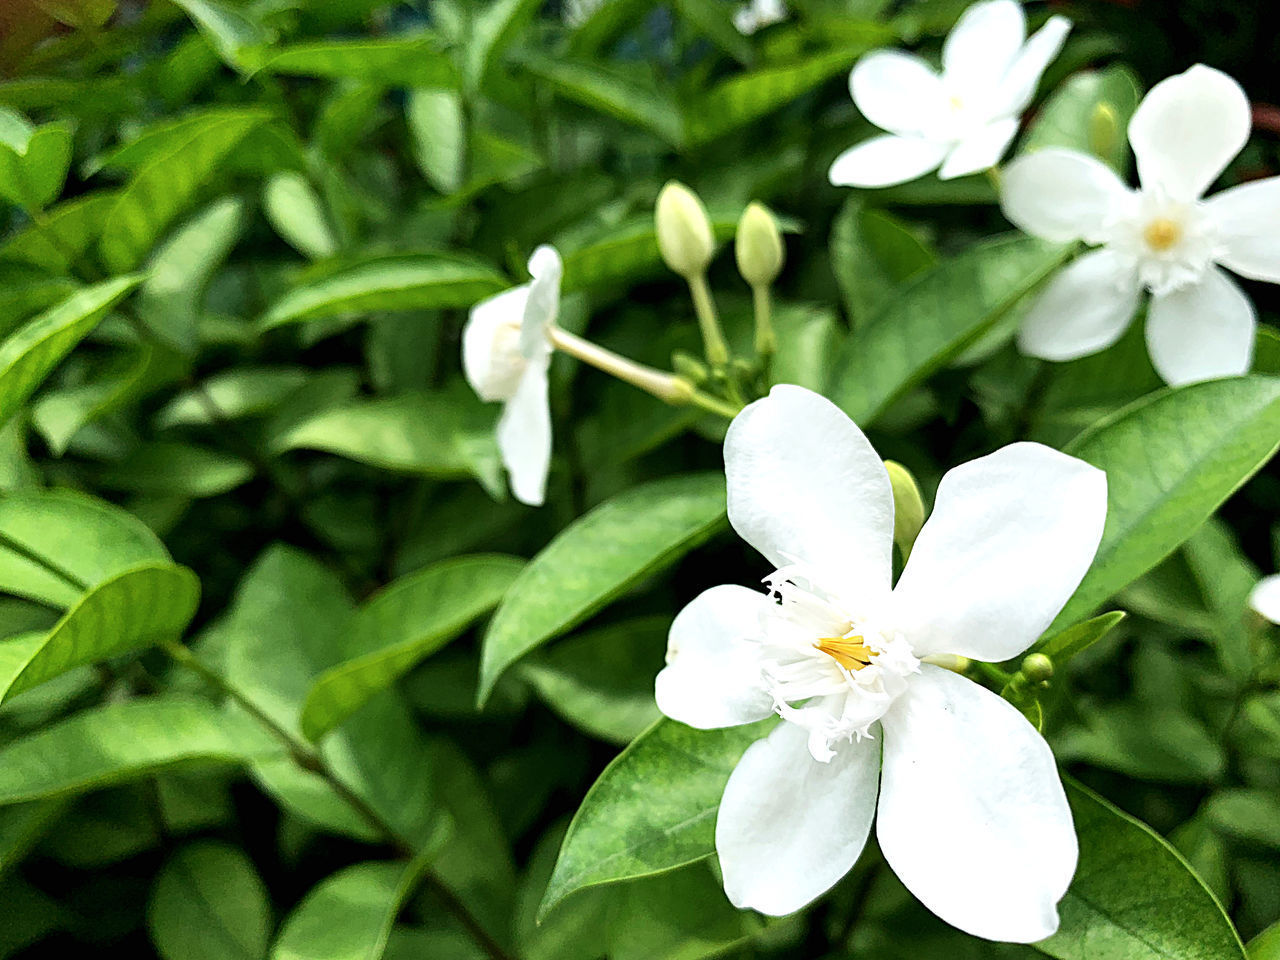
<point>171,300</point>
<point>1266,945</point>
<point>235,394</point>
<point>714,20</point>
<point>1156,742</point>
<point>1171,460</point>
<point>237,39</point>
<point>56,544</point>
<point>109,383</point>
<point>872,255</point>
<point>68,231</point>
<point>126,741</point>
<point>632,95</point>
<point>405,622</point>
<point>209,903</point>
<point>934,319</point>
<point>167,468</point>
<point>298,215</point>
<point>21,827</point>
<point>349,915</point>
<point>1062,646</point>
<point>135,609</point>
<point>652,809</point>
<point>1249,815</point>
<point>438,127</point>
<point>623,255</point>
<point>386,284</point>
<point>1089,113</point>
<point>601,681</point>
<point>490,32</point>
<point>33,161</point>
<point>416,61</point>
<point>1134,897</point>
<point>445,434</point>
<point>31,353</point>
<point>1226,578</point>
<point>163,187</point>
<point>595,559</point>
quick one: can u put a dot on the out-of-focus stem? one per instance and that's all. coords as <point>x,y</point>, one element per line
<point>713,342</point>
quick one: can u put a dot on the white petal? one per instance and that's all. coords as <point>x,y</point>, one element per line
<point>1059,194</point>
<point>1009,540</point>
<point>1247,216</point>
<point>491,359</point>
<point>543,305</point>
<point>980,150</point>
<point>983,46</point>
<point>884,161</point>
<point>790,827</point>
<point>1265,598</point>
<point>524,434</point>
<point>973,818</point>
<point>897,91</point>
<point>1019,84</point>
<point>712,677</point>
<point>1201,331</point>
<point>1187,129</point>
<point>1084,308</point>
<point>806,485</point>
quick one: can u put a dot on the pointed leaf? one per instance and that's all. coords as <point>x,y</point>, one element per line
<point>209,903</point>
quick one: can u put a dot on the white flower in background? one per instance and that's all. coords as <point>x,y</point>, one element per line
<point>759,14</point>
<point>1265,598</point>
<point>505,355</point>
<point>962,120</point>
<point>1163,237</point>
<point>972,814</point>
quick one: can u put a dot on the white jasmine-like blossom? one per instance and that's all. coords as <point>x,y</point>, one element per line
<point>1164,236</point>
<point>505,355</point>
<point>1265,598</point>
<point>961,120</point>
<point>972,815</point>
<point>758,14</point>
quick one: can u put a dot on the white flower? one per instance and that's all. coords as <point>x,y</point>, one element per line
<point>1265,598</point>
<point>758,14</point>
<point>962,120</point>
<point>972,814</point>
<point>1163,236</point>
<point>505,355</point>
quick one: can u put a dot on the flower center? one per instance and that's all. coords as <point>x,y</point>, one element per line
<point>850,652</point>
<point>1162,234</point>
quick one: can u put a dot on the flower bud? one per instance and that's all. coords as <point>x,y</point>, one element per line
<point>1104,131</point>
<point>758,246</point>
<point>908,507</point>
<point>684,230</point>
<point>690,368</point>
<point>1037,668</point>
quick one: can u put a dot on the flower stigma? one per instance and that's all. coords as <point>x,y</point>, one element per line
<point>1162,234</point>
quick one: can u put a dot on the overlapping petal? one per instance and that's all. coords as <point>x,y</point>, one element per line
<point>1059,194</point>
<point>1084,308</point>
<point>491,360</point>
<point>1248,221</point>
<point>1019,84</point>
<point>1201,331</point>
<point>805,485</point>
<point>790,827</point>
<point>979,150</point>
<point>524,434</point>
<point>884,161</point>
<point>898,92</point>
<point>1187,129</point>
<point>983,46</point>
<point>543,305</point>
<point>712,678</point>
<point>1010,538</point>
<point>973,818</point>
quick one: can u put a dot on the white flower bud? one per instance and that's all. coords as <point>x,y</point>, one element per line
<point>684,230</point>
<point>758,246</point>
<point>908,507</point>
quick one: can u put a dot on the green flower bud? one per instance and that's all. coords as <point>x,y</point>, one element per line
<point>684,230</point>
<point>908,507</point>
<point>1037,668</point>
<point>1104,131</point>
<point>758,246</point>
<point>689,367</point>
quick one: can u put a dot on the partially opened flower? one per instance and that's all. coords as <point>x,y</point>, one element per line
<point>1264,599</point>
<point>961,120</point>
<point>972,815</point>
<point>1163,236</point>
<point>505,355</point>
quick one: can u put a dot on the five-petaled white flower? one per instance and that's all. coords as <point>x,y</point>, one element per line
<point>1264,598</point>
<point>505,355</point>
<point>972,814</point>
<point>962,120</point>
<point>1163,236</point>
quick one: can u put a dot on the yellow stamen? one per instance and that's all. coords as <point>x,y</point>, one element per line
<point>850,652</point>
<point>1162,234</point>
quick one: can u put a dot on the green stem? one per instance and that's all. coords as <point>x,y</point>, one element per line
<point>991,672</point>
<point>713,342</point>
<point>766,339</point>
<point>311,760</point>
<point>714,405</point>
